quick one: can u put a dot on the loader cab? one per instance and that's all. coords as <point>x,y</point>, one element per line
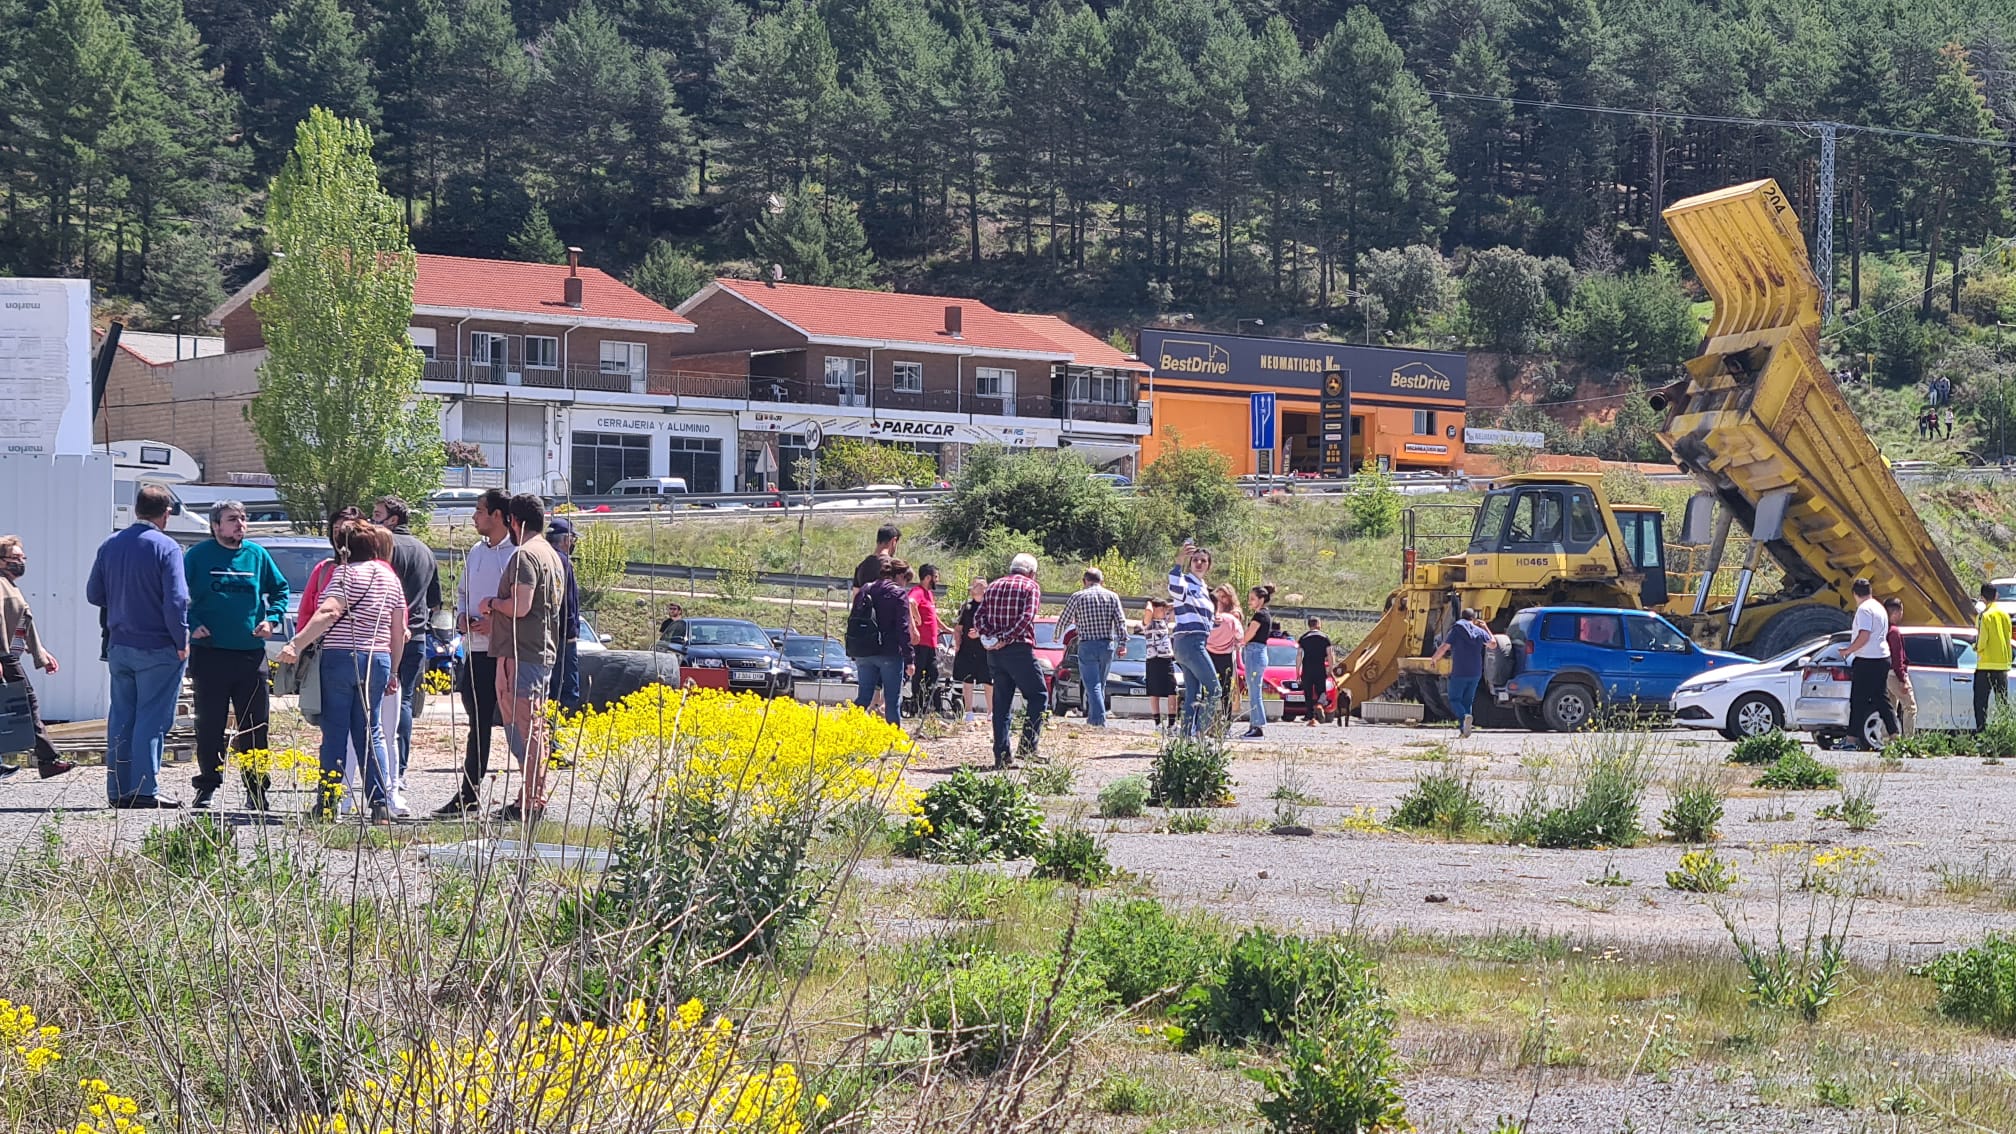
<point>1530,535</point>
<point>1643,529</point>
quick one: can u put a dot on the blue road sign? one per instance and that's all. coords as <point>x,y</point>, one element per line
<point>1263,421</point>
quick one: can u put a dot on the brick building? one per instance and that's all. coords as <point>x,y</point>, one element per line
<point>185,390</point>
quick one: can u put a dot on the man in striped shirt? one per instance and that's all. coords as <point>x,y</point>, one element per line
<point>1101,622</point>
<point>1194,616</point>
<point>1007,624</point>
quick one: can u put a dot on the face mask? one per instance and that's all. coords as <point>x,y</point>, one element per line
<point>15,570</point>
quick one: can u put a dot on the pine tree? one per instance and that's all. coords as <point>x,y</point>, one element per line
<point>179,160</point>
<point>585,80</point>
<point>815,240</point>
<point>182,277</point>
<point>1276,93</point>
<point>669,275</point>
<point>1963,190</point>
<point>1476,133</point>
<point>535,240</point>
<point>780,92</point>
<point>339,416</point>
<point>409,40</point>
<point>972,124</point>
<point>314,57</point>
<point>483,79</point>
<point>1553,57</point>
<point>72,76</point>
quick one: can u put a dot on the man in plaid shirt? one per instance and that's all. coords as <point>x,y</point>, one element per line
<point>1101,622</point>
<point>1007,625</point>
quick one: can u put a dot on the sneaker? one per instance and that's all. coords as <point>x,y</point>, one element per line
<point>1252,734</point>
<point>381,815</point>
<point>8,770</point>
<point>396,802</point>
<point>145,803</point>
<point>203,797</point>
<point>457,808</point>
<point>513,813</point>
<point>56,768</point>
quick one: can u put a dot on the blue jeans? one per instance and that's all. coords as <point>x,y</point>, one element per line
<point>1095,660</point>
<point>409,688</point>
<point>566,691</point>
<point>886,671</point>
<point>1255,656</point>
<point>1462,692</point>
<point>1200,680</point>
<point>1014,668</point>
<point>144,687</point>
<point>353,686</point>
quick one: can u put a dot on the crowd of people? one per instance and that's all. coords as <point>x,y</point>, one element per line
<point>359,651</point>
<point>1879,673</point>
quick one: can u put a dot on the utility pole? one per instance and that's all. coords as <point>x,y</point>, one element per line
<point>1823,233</point>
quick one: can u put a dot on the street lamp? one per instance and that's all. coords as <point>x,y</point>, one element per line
<point>1358,298</point>
<point>176,321</point>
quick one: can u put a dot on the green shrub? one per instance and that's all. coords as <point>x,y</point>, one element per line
<point>1764,749</point>
<point>1372,503</point>
<point>973,818</point>
<point>1446,800</point>
<point>1129,1094</point>
<point>1187,822</point>
<point>1998,740</point>
<point>1858,805</point>
<point>194,847</point>
<point>1931,744</point>
<point>1268,984</point>
<point>709,878</point>
<point>1339,1076</point>
<point>1798,771</point>
<point>1047,493</point>
<point>980,1012</point>
<point>1191,772</point>
<point>1053,778</point>
<point>1144,954</point>
<point>1978,985</point>
<point>1696,807</point>
<point>1702,872</point>
<point>1598,805</point>
<point>1124,798</point>
<point>1075,856</point>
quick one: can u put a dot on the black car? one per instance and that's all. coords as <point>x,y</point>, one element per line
<point>1128,676</point>
<point>736,645</point>
<point>814,657</point>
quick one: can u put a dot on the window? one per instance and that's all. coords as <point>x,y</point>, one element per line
<point>486,349</point>
<point>1490,522</point>
<point>1536,518</point>
<point>907,377</point>
<point>1424,423</point>
<point>1101,388</point>
<point>542,353</point>
<point>1582,519</point>
<point>848,374</point>
<point>1598,630</point>
<point>1925,649</point>
<point>623,358</point>
<point>423,339</point>
<point>602,459</point>
<point>698,461</point>
<point>993,382</point>
<point>1656,635</point>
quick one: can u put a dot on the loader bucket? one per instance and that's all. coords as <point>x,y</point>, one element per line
<point>1373,665</point>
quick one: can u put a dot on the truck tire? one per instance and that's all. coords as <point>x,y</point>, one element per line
<point>1753,714</point>
<point>1789,628</point>
<point>611,675</point>
<point>1569,706</point>
<point>1433,693</point>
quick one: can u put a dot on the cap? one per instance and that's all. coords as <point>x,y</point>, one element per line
<point>558,526</point>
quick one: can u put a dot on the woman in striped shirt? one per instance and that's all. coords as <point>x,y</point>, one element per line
<point>361,623</point>
<point>1194,618</point>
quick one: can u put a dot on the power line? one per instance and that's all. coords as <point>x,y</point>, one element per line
<point>1800,124</point>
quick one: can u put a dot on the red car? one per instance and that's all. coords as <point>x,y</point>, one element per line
<point>1049,650</point>
<point>1283,679</point>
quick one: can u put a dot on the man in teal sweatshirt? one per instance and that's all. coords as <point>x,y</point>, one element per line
<point>237,599</point>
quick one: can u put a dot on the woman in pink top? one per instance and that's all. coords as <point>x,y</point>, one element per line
<point>361,623</point>
<point>924,638</point>
<point>1223,642</point>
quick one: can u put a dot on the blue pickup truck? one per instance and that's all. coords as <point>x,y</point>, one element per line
<point>1568,661</point>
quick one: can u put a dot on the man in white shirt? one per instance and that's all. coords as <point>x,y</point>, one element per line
<point>482,570</point>
<point>1868,666</point>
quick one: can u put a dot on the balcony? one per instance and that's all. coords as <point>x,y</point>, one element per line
<point>590,379</point>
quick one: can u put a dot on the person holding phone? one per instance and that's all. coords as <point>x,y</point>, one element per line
<point>1195,614</point>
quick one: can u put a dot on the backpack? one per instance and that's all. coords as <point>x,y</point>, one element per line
<point>864,628</point>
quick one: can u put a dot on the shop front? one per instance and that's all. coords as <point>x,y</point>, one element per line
<point>774,441</point>
<point>610,445</point>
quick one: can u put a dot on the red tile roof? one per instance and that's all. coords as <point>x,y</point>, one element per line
<point>531,289</point>
<point>1086,349</point>
<point>847,313</point>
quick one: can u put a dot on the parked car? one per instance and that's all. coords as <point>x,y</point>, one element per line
<point>1283,678</point>
<point>652,491</point>
<point>2005,595</point>
<point>734,645</point>
<point>1942,662</point>
<point>1049,649</point>
<point>1127,678</point>
<point>587,640</point>
<point>815,657</point>
<point>1569,661</point>
<point>1112,478</point>
<point>1747,700</point>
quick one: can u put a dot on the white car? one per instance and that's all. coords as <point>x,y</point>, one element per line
<point>1941,662</point>
<point>1749,699</point>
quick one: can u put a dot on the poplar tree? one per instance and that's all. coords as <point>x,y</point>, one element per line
<point>339,415</point>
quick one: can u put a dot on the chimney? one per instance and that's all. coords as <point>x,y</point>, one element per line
<point>573,277</point>
<point>954,320</point>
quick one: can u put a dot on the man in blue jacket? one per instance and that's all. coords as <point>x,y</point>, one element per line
<point>237,600</point>
<point>137,581</point>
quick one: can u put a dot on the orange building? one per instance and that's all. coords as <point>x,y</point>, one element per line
<point>1406,406</point>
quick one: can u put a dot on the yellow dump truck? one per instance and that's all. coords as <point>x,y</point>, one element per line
<point>1762,429</point>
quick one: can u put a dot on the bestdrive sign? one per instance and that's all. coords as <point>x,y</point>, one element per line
<point>1249,360</point>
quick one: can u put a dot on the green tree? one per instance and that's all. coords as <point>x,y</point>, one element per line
<point>815,239</point>
<point>1413,284</point>
<point>1372,504</point>
<point>339,415</point>
<point>669,274</point>
<point>1477,134</point>
<point>780,100</point>
<point>182,278</point>
<point>972,120</point>
<point>1642,319</point>
<point>314,57</point>
<point>1194,488</point>
<point>72,75</point>
<point>854,462</point>
<point>601,556</point>
<point>409,40</point>
<point>1962,191</point>
<point>182,171</point>
<point>484,75</point>
<point>1048,494</point>
<point>536,241</point>
<point>1505,298</point>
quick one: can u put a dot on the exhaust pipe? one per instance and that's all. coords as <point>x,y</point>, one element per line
<point>1668,395</point>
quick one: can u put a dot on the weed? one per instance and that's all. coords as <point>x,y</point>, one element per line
<point>1857,807</point>
<point>1187,823</point>
<point>1807,976</point>
<point>1269,984</point>
<point>1143,953</point>
<point>1073,855</point>
<point>981,1013</point>
<point>1971,880</point>
<point>1124,798</point>
<point>973,818</point>
<point>195,847</point>
<point>1339,1075</point>
<point>1697,805</point>
<point>971,895</point>
<point>1445,799</point>
<point>1931,744</point>
<point>1775,809</point>
<point>1831,1093</point>
<point>1998,740</point>
<point>1191,772</point>
<point>1609,878</point>
<point>1702,872</point>
<point>1978,985</point>
<point>1052,778</point>
<point>1288,794</point>
<point>1765,748</point>
<point>1598,803</point>
<point>1797,770</point>
<point>1125,1094</point>
<point>1363,820</point>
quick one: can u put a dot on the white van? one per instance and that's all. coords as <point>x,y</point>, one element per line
<point>663,489</point>
<point>180,517</point>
